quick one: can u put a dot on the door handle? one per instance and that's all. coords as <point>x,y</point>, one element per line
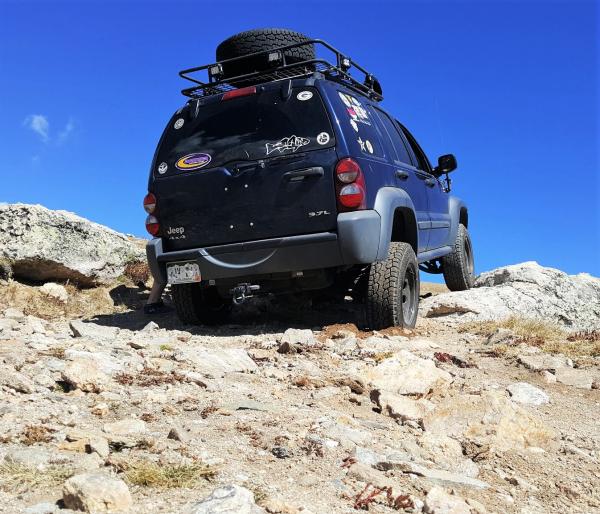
<point>401,174</point>
<point>429,182</point>
<point>316,171</point>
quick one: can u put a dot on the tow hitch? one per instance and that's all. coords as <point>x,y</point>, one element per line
<point>242,292</point>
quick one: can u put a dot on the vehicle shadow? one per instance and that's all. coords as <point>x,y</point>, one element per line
<point>256,316</point>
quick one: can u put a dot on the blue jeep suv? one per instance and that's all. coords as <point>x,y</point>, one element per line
<point>283,173</point>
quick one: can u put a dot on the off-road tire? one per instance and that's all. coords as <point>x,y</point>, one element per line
<point>458,266</point>
<point>199,306</point>
<point>388,302</point>
<point>259,40</point>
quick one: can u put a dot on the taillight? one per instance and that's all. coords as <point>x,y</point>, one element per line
<point>149,203</point>
<point>347,170</point>
<point>351,196</point>
<point>245,91</point>
<point>351,189</point>
<point>152,225</point>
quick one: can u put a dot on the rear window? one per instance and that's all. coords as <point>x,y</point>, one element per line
<point>247,128</point>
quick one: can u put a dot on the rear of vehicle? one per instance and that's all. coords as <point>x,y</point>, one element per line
<point>248,190</point>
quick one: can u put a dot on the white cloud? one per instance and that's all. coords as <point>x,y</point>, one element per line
<point>39,124</point>
<point>64,133</point>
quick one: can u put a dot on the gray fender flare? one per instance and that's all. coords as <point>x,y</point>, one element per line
<point>387,201</point>
<point>455,207</point>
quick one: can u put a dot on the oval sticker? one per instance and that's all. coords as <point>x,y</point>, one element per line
<point>304,95</point>
<point>193,161</point>
<point>179,123</point>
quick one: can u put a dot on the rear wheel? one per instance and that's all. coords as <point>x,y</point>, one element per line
<point>200,306</point>
<point>392,297</point>
<point>459,266</point>
<point>258,40</point>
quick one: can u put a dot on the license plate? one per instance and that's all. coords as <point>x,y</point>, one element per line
<point>183,272</point>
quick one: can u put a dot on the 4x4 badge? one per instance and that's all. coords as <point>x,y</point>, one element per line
<point>192,161</point>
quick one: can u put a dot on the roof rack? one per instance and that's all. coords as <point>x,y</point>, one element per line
<point>278,68</point>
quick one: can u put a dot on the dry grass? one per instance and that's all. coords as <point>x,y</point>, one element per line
<point>381,356</point>
<point>151,474</point>
<point>149,377</point>
<point>547,336</point>
<point>137,272</point>
<point>81,302</point>
<point>18,477</point>
<point>33,434</point>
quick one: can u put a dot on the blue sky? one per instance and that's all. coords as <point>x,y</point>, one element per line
<point>510,87</point>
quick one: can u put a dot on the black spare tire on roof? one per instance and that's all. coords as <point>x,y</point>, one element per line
<point>259,40</point>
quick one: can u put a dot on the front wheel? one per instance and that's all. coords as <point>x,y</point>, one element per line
<point>393,289</point>
<point>459,266</point>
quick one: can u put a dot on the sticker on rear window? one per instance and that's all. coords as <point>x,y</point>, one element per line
<point>287,143</point>
<point>304,95</point>
<point>192,161</point>
<point>179,123</point>
<point>323,138</point>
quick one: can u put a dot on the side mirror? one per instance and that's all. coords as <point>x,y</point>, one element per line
<point>446,164</point>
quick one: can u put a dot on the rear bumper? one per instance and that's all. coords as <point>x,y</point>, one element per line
<point>356,241</point>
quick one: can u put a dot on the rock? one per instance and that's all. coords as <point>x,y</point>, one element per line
<point>405,373</point>
<point>96,492</point>
<point>229,499</point>
<point>488,418</point>
<point>12,313</point>
<point>447,453</point>
<point>301,337</point>
<point>92,330</point>
<point>150,327</point>
<point>42,508</point>
<point>8,324</point>
<point>366,456</point>
<point>56,291</point>
<point>542,361</point>
<point>15,380</point>
<point>581,379</point>
<point>41,244</point>
<point>402,407</point>
<point>216,363</point>
<point>100,446</point>
<point>281,452</point>
<point>439,501</point>
<point>542,293</point>
<point>522,392</point>
<point>178,434</point>
<point>85,375</point>
<point>439,476</point>
<point>347,436</point>
<point>104,362</point>
<point>125,427</point>
<point>548,377</point>
<point>500,335</point>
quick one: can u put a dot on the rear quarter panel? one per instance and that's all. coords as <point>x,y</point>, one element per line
<point>356,138</point>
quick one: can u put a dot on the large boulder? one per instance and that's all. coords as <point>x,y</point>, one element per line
<point>40,244</point>
<point>525,290</point>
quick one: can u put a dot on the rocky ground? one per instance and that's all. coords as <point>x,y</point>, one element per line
<point>291,409</point>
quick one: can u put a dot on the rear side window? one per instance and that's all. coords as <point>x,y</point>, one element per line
<point>365,133</point>
<point>247,128</point>
<point>396,140</point>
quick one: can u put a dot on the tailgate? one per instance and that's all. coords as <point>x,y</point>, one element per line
<point>253,167</point>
